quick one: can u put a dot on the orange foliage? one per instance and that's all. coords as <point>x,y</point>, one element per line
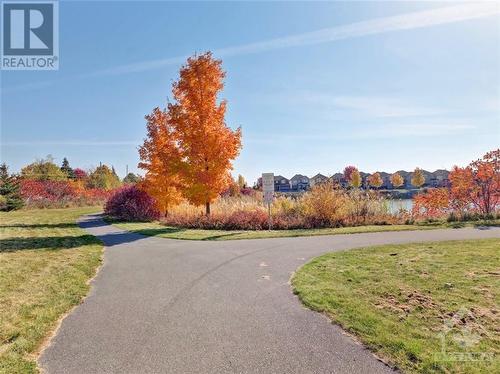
<point>207,144</point>
<point>355,180</point>
<point>418,178</point>
<point>160,157</point>
<point>474,189</point>
<point>434,203</point>
<point>397,180</point>
<point>375,180</point>
<point>478,184</point>
<point>190,148</point>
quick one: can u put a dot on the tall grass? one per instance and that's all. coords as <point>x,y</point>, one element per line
<point>323,206</point>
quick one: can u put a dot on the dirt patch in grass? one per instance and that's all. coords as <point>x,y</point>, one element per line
<point>406,302</point>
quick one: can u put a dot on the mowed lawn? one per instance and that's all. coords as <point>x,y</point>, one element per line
<point>46,262</point>
<point>425,308</point>
<point>159,229</point>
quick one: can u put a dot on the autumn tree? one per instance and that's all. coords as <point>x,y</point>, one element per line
<point>477,184</point>
<point>375,180</point>
<point>206,144</point>
<point>397,180</point>
<point>242,183</point>
<point>418,178</point>
<point>355,179</point>
<point>161,158</point>
<point>103,177</point>
<point>348,170</point>
<point>189,148</point>
<point>462,188</point>
<point>434,203</point>
<point>486,173</point>
<point>79,174</point>
<point>234,189</point>
<point>43,169</point>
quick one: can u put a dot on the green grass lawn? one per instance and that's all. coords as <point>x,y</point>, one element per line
<point>45,264</point>
<point>418,306</point>
<point>158,229</point>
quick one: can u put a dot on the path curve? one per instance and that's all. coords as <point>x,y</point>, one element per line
<point>175,306</point>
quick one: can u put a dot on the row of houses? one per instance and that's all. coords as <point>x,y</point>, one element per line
<point>299,182</point>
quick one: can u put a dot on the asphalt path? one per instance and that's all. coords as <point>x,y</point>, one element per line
<point>176,306</point>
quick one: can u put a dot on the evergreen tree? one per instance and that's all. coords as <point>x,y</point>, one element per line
<point>9,190</point>
<point>131,178</point>
<point>66,169</point>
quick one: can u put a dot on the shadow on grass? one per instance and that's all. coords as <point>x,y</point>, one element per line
<point>41,226</point>
<point>67,242</point>
<point>47,242</point>
<point>217,237</point>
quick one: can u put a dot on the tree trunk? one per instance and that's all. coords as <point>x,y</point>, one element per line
<point>207,208</point>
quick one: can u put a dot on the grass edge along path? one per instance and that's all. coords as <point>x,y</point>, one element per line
<point>158,229</point>
<point>46,263</point>
<point>422,307</point>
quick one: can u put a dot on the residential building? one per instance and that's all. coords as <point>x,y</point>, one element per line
<point>299,182</point>
<point>281,183</point>
<point>317,179</point>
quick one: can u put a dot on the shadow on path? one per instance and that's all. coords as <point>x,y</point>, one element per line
<point>108,234</point>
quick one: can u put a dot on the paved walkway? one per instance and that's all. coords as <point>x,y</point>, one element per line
<point>172,306</point>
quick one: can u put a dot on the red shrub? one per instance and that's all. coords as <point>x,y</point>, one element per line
<point>132,204</point>
<point>58,194</point>
<point>44,194</point>
<point>246,220</point>
<point>80,174</point>
<point>434,203</point>
<point>240,220</point>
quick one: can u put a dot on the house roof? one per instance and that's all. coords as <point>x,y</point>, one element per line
<point>279,178</point>
<point>299,176</point>
<point>319,175</point>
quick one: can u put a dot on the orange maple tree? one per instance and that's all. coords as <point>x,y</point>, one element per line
<point>375,180</point>
<point>418,178</point>
<point>190,149</point>
<point>348,170</point>
<point>433,203</point>
<point>474,189</point>
<point>161,158</point>
<point>397,180</point>
<point>478,184</point>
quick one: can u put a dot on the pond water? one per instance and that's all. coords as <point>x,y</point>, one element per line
<point>395,205</point>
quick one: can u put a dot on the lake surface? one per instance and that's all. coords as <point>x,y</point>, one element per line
<point>396,205</point>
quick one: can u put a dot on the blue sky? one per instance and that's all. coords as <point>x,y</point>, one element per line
<point>315,85</point>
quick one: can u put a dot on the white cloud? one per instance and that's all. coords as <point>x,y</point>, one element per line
<point>379,106</point>
<point>407,21</point>
<point>381,131</point>
<point>414,130</point>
